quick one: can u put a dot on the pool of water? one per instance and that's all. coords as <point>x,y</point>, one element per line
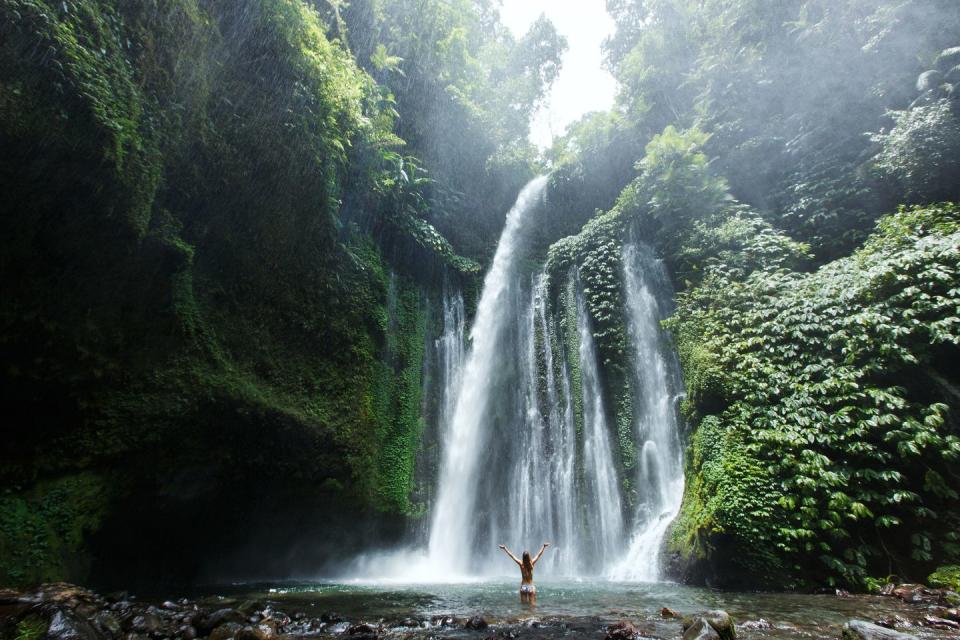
<point>574,606</point>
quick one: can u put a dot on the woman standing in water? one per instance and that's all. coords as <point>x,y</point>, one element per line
<point>528,592</point>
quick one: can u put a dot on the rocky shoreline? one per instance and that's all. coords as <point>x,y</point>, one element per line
<point>61,611</point>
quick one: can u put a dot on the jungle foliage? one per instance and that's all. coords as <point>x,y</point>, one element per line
<point>218,259</point>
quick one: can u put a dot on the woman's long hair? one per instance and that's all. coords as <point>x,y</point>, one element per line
<point>527,561</point>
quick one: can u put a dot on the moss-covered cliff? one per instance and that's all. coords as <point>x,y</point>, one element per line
<point>194,343</point>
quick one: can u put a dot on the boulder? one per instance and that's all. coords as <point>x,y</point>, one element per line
<point>700,630</point>
<point>477,623</point>
<point>226,631</point>
<point>623,630</point>
<point>219,617</point>
<point>66,626</point>
<point>666,612</point>
<point>861,630</point>
<point>722,624</point>
<point>108,624</point>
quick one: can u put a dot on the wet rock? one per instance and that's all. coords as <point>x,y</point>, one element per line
<point>108,624</point>
<point>666,612</point>
<point>477,623</point>
<point>755,625</point>
<point>146,623</point>
<point>916,594</point>
<point>623,630</point>
<point>409,623</point>
<point>719,620</point>
<point>254,633</point>
<point>700,630</point>
<point>364,628</point>
<point>949,614</point>
<point>219,617</point>
<point>187,632</point>
<point>331,618</point>
<point>894,621</point>
<point>226,631</point>
<point>443,621</point>
<point>66,626</point>
<point>861,630</point>
<point>940,623</point>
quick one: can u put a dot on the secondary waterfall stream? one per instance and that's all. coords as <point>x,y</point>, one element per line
<point>527,451</point>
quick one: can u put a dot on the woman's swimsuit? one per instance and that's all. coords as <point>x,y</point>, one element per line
<point>528,588</point>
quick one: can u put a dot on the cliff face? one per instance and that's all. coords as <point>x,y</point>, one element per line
<point>195,345</point>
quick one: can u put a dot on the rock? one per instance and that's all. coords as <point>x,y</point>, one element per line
<point>443,621</point>
<point>254,633</point>
<point>226,631</point>
<point>108,624</point>
<point>623,630</point>
<point>330,618</point>
<point>219,617</point>
<point>700,630</point>
<point>668,613</point>
<point>66,626</point>
<point>187,632</point>
<point>477,623</point>
<point>722,623</point>
<point>756,625</point>
<point>916,594</point>
<point>861,630</point>
<point>409,623</point>
<point>940,623</point>
<point>894,621</point>
<point>364,628</point>
<point>144,623</point>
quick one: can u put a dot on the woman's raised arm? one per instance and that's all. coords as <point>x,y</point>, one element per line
<point>542,549</point>
<point>513,557</point>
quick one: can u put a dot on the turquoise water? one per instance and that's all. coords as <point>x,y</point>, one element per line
<point>566,608</point>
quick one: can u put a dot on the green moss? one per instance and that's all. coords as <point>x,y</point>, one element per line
<point>45,527</point>
<point>32,627</point>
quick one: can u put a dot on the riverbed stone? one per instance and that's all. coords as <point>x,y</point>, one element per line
<point>700,630</point>
<point>219,617</point>
<point>226,631</point>
<point>862,630</point>
<point>66,626</point>
<point>477,623</point>
<point>719,620</point>
<point>623,630</point>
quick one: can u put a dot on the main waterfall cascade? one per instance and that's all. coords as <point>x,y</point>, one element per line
<point>516,463</point>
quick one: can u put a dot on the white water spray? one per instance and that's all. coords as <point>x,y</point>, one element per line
<point>659,478</point>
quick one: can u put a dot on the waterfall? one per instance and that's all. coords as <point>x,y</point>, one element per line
<point>524,450</point>
<point>657,380</point>
<point>603,510</point>
<point>455,525</point>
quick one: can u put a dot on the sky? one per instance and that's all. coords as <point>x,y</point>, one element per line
<point>583,84</point>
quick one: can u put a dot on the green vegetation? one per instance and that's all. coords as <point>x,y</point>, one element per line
<point>947,577</point>
<point>226,227</point>
<point>203,202</point>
